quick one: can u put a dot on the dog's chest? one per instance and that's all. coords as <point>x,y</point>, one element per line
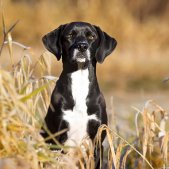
<point>78,117</point>
<point>80,89</point>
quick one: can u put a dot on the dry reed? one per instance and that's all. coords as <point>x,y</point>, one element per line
<point>24,99</point>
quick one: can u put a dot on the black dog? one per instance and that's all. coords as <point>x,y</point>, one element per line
<point>76,102</point>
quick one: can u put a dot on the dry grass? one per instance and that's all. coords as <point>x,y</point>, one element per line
<point>140,60</point>
<point>142,41</point>
<point>125,18</point>
<point>24,99</point>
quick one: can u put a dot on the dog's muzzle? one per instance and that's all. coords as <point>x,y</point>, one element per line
<point>81,52</point>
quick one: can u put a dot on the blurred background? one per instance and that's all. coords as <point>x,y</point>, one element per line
<point>134,72</point>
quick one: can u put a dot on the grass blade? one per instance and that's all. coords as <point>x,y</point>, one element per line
<point>33,93</point>
<point>12,26</point>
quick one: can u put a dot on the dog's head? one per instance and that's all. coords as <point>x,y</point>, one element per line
<point>79,42</point>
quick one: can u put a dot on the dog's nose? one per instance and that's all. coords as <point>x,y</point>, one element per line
<point>82,47</point>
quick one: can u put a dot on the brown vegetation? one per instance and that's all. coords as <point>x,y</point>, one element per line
<point>24,100</point>
<point>140,27</point>
<point>140,61</point>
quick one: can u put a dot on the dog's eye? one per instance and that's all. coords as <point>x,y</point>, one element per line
<point>90,36</point>
<point>70,35</point>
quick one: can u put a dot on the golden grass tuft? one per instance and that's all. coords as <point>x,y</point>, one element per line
<point>142,41</point>
<point>24,100</point>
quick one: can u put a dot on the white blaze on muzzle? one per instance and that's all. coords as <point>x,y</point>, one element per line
<point>81,60</point>
<point>81,57</point>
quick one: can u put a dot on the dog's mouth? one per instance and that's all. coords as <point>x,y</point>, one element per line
<point>81,60</point>
<point>81,57</point>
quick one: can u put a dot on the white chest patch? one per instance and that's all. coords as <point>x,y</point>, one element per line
<point>78,118</point>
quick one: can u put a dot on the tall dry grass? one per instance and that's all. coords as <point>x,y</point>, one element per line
<point>125,20</point>
<point>24,99</point>
<point>140,60</point>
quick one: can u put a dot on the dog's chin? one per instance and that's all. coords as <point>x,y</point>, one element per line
<point>82,63</point>
<point>81,60</point>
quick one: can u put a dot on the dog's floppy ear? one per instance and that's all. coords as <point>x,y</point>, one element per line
<point>106,45</point>
<point>52,41</point>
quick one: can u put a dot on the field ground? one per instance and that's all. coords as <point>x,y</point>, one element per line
<point>121,105</point>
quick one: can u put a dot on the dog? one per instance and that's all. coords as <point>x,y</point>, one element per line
<point>77,103</point>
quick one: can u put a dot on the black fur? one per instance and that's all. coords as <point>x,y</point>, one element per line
<point>61,42</point>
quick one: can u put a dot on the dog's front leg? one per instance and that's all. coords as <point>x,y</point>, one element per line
<point>53,124</point>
